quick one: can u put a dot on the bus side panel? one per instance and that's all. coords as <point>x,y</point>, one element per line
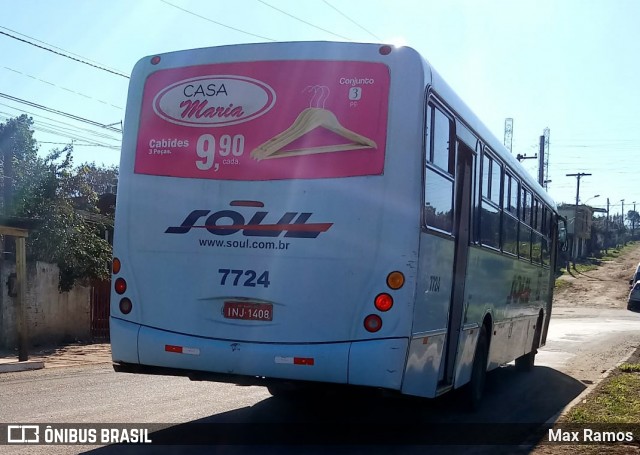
<point>329,361</point>
<point>124,340</point>
<point>430,314</point>
<point>512,291</point>
<point>423,366</point>
<point>378,363</point>
<point>435,277</point>
<point>466,352</point>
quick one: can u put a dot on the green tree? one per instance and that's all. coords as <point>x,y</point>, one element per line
<point>17,146</point>
<point>50,190</point>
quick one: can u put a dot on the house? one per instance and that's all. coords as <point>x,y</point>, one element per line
<point>579,221</point>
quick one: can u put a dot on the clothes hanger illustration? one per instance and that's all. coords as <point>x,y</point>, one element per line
<point>309,119</point>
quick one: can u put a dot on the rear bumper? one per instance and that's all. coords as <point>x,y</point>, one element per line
<point>140,349</point>
<point>633,305</point>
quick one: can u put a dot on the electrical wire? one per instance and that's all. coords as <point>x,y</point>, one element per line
<point>351,20</point>
<point>65,55</point>
<point>62,88</point>
<point>67,129</point>
<point>58,112</point>
<point>302,20</point>
<point>59,48</point>
<point>73,137</point>
<point>216,22</point>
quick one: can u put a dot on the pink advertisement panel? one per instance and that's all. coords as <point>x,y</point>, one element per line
<point>265,120</point>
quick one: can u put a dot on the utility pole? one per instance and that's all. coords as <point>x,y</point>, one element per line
<point>508,133</point>
<point>545,163</point>
<point>541,163</point>
<point>622,219</point>
<point>606,229</point>
<point>633,221</point>
<point>579,175</point>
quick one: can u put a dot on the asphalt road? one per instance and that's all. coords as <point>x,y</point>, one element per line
<point>582,345</point>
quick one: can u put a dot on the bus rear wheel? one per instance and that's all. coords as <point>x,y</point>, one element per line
<point>475,388</point>
<point>526,362</point>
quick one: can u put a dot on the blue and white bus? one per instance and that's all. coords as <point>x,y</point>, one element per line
<point>317,213</point>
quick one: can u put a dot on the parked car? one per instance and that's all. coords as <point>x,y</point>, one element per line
<point>635,278</point>
<point>633,303</point>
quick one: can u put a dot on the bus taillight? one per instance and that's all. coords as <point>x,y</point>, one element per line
<point>116,266</point>
<point>125,306</point>
<point>395,280</point>
<point>120,286</point>
<point>383,302</point>
<point>373,323</point>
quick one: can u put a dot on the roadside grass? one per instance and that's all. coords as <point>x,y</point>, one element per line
<point>613,405</point>
<point>615,253</point>
<point>615,400</point>
<point>562,285</point>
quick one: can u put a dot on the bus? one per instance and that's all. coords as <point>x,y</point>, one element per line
<point>306,214</point>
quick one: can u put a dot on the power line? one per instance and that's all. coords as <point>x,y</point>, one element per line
<point>217,23</point>
<point>61,87</point>
<point>74,137</point>
<point>303,21</point>
<point>55,111</point>
<point>351,20</point>
<point>115,147</point>
<point>65,55</point>
<point>61,126</point>
<point>59,48</point>
<point>45,127</point>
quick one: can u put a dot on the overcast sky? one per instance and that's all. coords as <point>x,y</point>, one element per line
<point>572,66</point>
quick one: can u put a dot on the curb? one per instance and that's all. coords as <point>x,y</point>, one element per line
<point>12,367</point>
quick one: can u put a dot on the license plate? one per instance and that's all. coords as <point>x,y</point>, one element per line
<point>248,311</point>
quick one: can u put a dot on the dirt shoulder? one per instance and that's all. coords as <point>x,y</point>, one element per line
<point>605,287</point>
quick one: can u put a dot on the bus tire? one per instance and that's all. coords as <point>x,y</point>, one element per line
<point>475,388</point>
<point>526,362</point>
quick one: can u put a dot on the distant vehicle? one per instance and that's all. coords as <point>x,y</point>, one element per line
<point>635,278</point>
<point>633,302</point>
<point>322,213</point>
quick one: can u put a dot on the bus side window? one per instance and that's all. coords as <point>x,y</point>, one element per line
<point>490,205</point>
<point>510,220</point>
<point>438,192</point>
<point>525,221</point>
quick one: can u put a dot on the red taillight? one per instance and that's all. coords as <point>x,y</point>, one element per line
<point>155,60</point>
<point>373,323</point>
<point>385,50</point>
<point>120,286</point>
<point>126,306</point>
<point>116,266</point>
<point>384,302</point>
